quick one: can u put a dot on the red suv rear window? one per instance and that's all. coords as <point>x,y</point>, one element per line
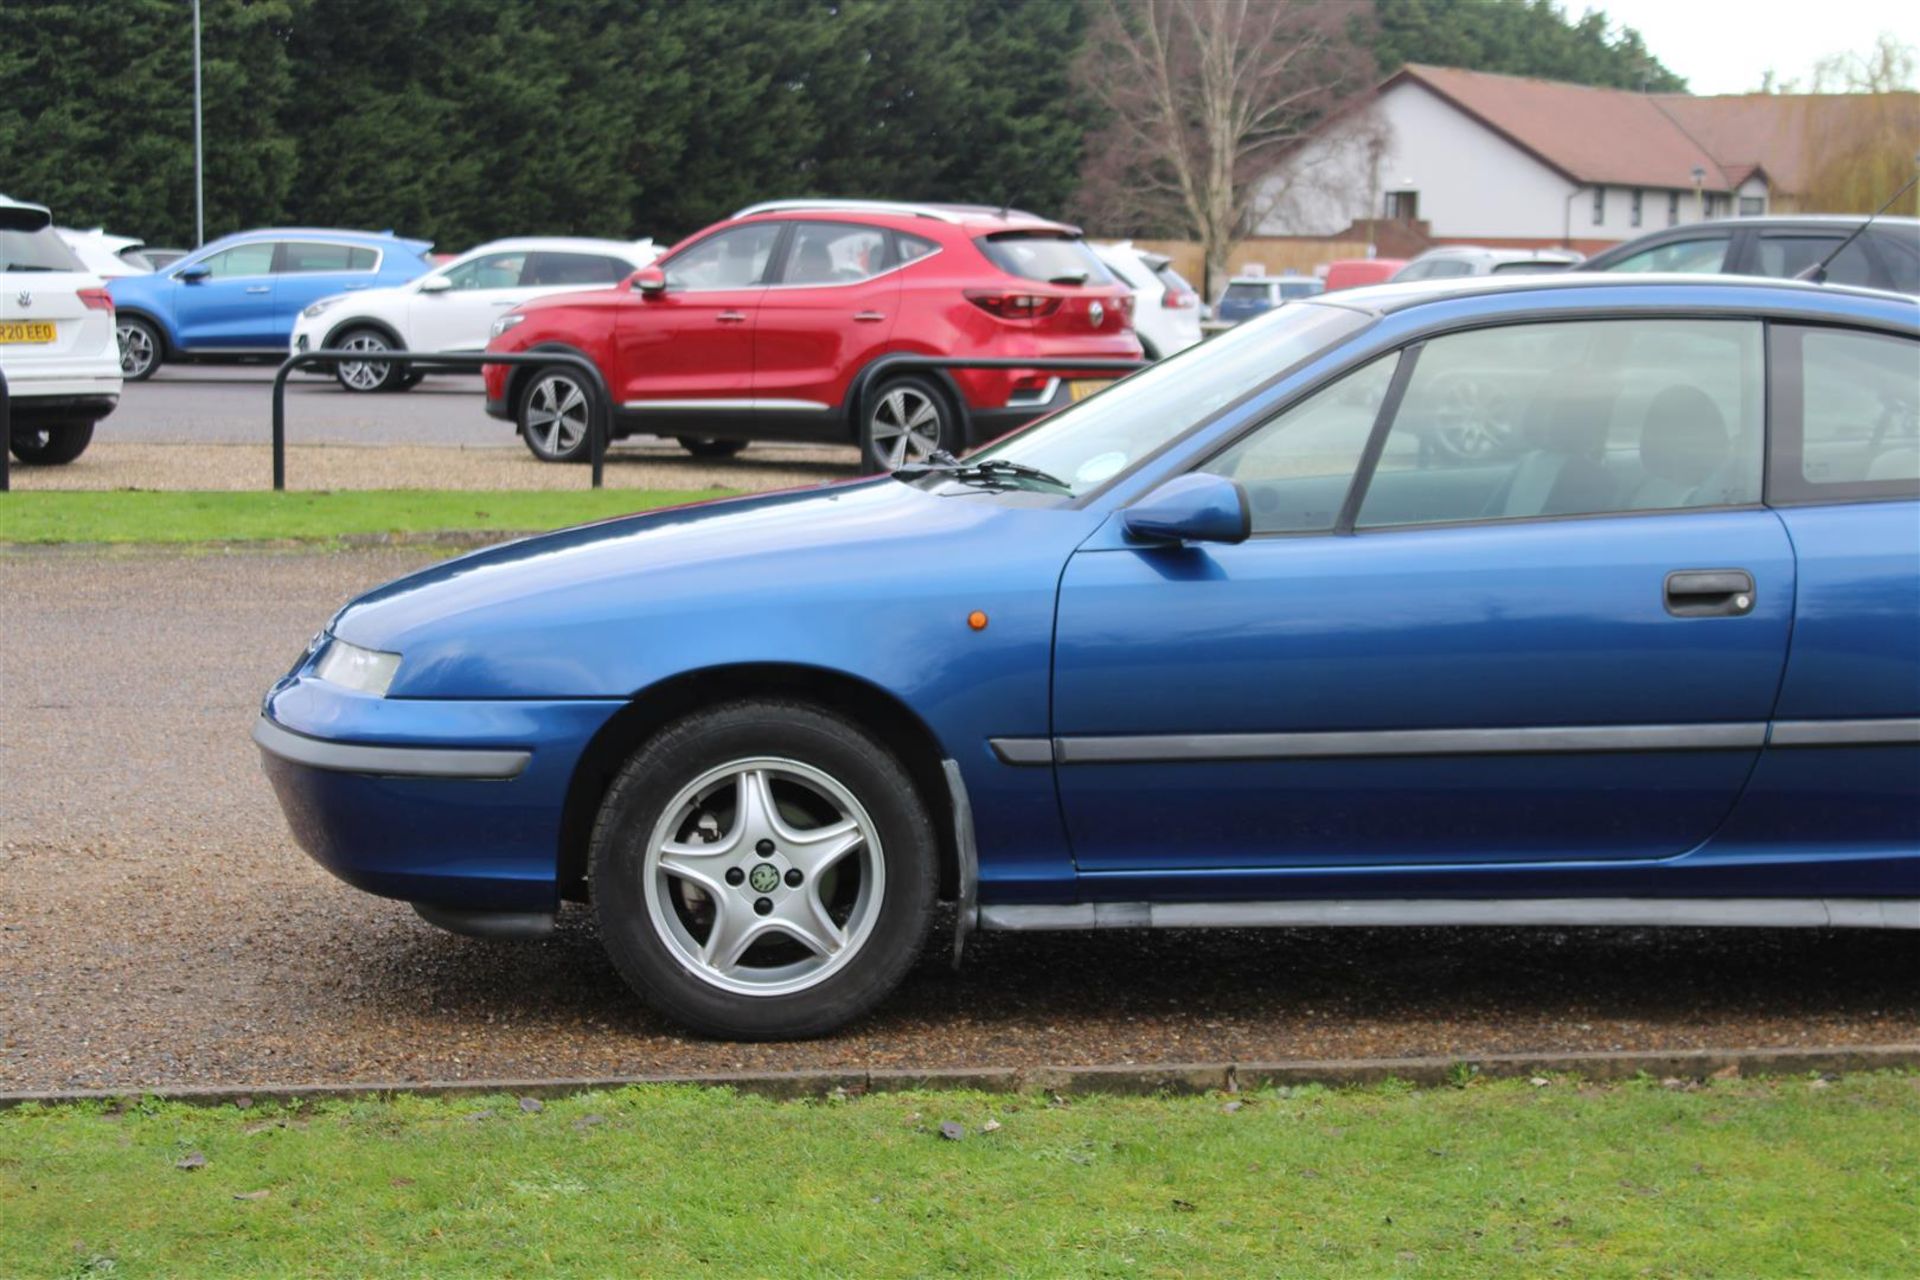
<point>1043,255</point>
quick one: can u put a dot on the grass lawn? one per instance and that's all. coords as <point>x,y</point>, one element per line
<point>173,517</point>
<point>1741,1179</point>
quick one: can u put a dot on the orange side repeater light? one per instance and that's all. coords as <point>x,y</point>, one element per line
<point>977,620</point>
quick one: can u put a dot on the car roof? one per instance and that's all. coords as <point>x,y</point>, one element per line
<point>1387,299</point>
<point>563,243</point>
<point>969,216</point>
<point>1796,219</point>
<point>1501,253</point>
<point>373,239</point>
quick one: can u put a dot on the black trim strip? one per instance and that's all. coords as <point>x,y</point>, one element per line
<point>1772,913</point>
<point>388,762</point>
<point>1377,438</point>
<point>1022,750</point>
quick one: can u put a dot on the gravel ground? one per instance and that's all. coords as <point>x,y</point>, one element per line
<point>158,927</point>
<point>235,466</point>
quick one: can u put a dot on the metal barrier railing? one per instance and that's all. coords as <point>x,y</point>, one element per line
<point>599,399</point>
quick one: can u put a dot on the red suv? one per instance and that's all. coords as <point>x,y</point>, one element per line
<point>759,328</point>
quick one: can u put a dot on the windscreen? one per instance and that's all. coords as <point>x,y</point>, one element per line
<point>28,242</point>
<point>1045,256</point>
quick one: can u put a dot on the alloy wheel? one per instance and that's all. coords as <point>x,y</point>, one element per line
<point>136,349</point>
<point>764,876</point>
<point>905,427</point>
<point>557,415</point>
<point>360,375</point>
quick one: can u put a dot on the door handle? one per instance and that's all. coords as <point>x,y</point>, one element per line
<point>869,317</point>
<point>731,317</point>
<point>1709,593</point>
<point>259,288</point>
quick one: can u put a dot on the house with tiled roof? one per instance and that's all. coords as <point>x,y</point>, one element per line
<point>1469,156</point>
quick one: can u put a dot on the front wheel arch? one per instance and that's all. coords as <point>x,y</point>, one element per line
<point>380,327</point>
<point>169,349</point>
<point>518,374</point>
<point>880,368</point>
<point>654,708</point>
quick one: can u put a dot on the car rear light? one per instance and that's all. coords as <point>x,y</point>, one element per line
<point>1177,299</point>
<point>1126,307</point>
<point>1013,306</point>
<point>97,300</point>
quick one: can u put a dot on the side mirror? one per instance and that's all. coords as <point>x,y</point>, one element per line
<point>193,274</point>
<point>649,282</point>
<point>1192,508</point>
<point>435,284</point>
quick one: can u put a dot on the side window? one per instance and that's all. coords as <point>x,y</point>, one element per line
<point>242,260</point>
<point>1849,415</point>
<point>300,257</point>
<point>1899,254</point>
<point>1707,254</point>
<point>494,271</point>
<point>561,269</point>
<point>735,259</point>
<point>1580,418</point>
<point>834,253</point>
<point>1297,468</point>
<point>1783,257</point>
<point>912,248</point>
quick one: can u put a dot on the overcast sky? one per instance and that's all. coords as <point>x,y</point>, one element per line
<point>1724,46</point>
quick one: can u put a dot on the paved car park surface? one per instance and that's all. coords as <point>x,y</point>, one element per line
<point>158,926</point>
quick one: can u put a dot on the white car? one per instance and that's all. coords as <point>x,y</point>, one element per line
<point>57,346</point>
<point>453,307</point>
<point>1166,309</point>
<point>108,257</point>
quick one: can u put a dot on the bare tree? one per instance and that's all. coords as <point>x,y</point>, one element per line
<point>1205,99</point>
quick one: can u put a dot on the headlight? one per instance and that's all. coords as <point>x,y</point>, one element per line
<point>316,308</point>
<point>505,323</point>
<point>351,667</point>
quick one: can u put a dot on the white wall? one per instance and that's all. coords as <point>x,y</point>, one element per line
<point>1472,182</point>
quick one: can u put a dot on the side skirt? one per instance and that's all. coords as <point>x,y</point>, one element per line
<point>1764,913</point>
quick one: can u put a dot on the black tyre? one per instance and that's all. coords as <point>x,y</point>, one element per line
<point>52,445</point>
<point>763,871</point>
<point>555,416</point>
<point>367,376</point>
<point>702,447</point>
<point>906,420</point>
<point>141,349</point>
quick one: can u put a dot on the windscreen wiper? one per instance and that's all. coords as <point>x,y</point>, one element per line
<point>943,464</point>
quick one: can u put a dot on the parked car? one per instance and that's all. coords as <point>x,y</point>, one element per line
<point>162,258</point>
<point>1250,296</point>
<point>108,257</point>
<point>1452,260</point>
<point>1352,273</point>
<point>453,307</point>
<point>56,339</point>
<point>762,326</point>
<point>1885,256</point>
<point>237,297</point>
<point>1166,309</point>
<point>1223,646</point>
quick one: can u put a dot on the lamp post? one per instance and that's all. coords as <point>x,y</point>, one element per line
<point>199,188</point>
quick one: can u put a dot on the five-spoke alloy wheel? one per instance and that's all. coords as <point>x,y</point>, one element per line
<point>907,419</point>
<point>555,416</point>
<point>763,871</point>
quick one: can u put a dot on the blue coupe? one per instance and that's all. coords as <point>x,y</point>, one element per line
<point>238,297</point>
<point>1232,643</point>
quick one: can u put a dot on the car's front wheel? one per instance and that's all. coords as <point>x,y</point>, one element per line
<point>764,870</point>
<point>368,375</point>
<point>556,417</point>
<point>52,445</point>
<point>140,348</point>
<point>906,420</point>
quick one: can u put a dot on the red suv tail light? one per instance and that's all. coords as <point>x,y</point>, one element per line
<point>1013,306</point>
<point>97,300</point>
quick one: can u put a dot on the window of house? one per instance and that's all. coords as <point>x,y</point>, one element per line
<point>1673,208</point>
<point>1637,195</point>
<point>1575,418</point>
<point>1297,467</point>
<point>1752,206</point>
<point>1599,205</point>
<point>1403,206</point>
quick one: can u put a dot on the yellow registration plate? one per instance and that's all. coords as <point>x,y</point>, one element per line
<point>1081,390</point>
<point>26,331</point>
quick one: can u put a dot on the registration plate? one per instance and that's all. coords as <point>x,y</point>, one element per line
<point>26,331</point>
<point>1081,390</point>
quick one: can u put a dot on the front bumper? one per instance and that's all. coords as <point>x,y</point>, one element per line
<point>452,804</point>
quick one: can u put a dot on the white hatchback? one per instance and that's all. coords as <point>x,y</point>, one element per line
<point>57,347</point>
<point>453,307</point>
<point>1166,309</point>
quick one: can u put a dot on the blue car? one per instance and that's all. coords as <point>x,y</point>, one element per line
<point>1227,644</point>
<point>1250,296</point>
<point>238,296</point>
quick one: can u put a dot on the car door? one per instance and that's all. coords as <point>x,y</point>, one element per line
<point>1561,646</point>
<point>460,317</point>
<point>830,311</point>
<point>685,353</point>
<point>231,307</point>
<point>308,270</point>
